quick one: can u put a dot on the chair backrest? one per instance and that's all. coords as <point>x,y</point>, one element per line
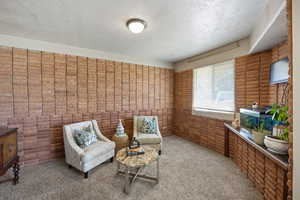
<point>138,121</point>
<point>78,125</point>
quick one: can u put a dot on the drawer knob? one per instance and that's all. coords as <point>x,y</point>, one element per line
<point>10,147</point>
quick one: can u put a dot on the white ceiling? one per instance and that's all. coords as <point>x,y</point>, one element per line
<point>176,28</point>
<point>275,32</point>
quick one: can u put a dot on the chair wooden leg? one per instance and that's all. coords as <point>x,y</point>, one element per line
<point>86,174</point>
<point>16,169</point>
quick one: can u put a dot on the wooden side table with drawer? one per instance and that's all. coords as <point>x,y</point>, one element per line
<point>9,152</point>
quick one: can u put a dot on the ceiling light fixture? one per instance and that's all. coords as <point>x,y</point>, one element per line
<point>136,25</point>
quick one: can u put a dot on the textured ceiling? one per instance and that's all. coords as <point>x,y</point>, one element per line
<point>176,29</point>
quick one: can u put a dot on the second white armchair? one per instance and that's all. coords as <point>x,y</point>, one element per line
<point>153,139</point>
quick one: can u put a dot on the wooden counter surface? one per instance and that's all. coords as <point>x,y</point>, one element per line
<point>281,160</point>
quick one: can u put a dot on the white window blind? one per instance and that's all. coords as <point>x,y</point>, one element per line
<point>214,87</point>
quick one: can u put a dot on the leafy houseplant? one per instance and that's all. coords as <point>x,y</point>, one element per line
<point>280,118</point>
<point>280,114</point>
<point>278,143</point>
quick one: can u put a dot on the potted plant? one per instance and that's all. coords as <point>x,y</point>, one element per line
<point>278,142</point>
<point>280,117</point>
<point>259,134</point>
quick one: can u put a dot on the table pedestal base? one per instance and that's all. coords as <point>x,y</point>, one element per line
<point>130,177</point>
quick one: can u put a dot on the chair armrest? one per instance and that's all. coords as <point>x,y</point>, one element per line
<point>98,132</point>
<point>72,150</point>
<point>157,126</point>
<point>135,131</point>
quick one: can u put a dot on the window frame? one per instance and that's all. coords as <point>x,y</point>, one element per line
<point>215,113</point>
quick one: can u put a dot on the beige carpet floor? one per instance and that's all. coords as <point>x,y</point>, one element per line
<point>187,171</point>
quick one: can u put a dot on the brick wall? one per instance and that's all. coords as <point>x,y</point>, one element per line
<point>252,74</point>
<point>42,91</point>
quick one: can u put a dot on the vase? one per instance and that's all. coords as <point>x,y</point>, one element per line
<point>275,145</point>
<point>120,129</point>
<point>258,137</point>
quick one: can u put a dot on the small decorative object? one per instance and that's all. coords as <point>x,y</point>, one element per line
<point>120,129</point>
<point>134,144</point>
<point>136,151</point>
<point>254,105</point>
<point>236,121</point>
<point>276,145</point>
<point>134,148</point>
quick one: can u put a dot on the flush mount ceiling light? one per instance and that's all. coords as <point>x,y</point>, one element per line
<point>136,25</point>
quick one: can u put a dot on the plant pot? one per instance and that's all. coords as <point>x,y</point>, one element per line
<point>276,145</point>
<point>258,137</point>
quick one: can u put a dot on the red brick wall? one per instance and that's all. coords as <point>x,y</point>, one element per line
<point>252,78</point>
<point>42,91</point>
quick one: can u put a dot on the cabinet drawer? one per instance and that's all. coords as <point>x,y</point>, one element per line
<point>9,147</point>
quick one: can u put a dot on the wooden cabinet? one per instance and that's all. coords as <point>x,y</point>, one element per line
<point>9,152</point>
<point>266,170</point>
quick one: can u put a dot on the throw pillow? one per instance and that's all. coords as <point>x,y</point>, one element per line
<point>84,138</point>
<point>88,129</point>
<point>149,126</point>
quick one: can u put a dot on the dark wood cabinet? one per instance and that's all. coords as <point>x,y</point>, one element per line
<point>9,152</point>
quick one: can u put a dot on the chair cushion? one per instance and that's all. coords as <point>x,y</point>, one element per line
<point>148,138</point>
<point>148,126</point>
<point>84,138</point>
<point>96,150</point>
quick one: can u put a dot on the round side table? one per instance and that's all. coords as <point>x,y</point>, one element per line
<point>121,141</point>
<point>134,165</point>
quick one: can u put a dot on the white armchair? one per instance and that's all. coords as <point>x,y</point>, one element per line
<point>90,157</point>
<point>153,140</point>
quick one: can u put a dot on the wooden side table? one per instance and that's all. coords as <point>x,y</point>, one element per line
<point>121,141</point>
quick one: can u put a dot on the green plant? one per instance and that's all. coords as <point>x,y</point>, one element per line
<point>284,135</point>
<point>280,113</point>
<point>260,128</point>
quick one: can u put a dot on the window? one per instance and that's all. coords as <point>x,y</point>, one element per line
<point>214,87</point>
